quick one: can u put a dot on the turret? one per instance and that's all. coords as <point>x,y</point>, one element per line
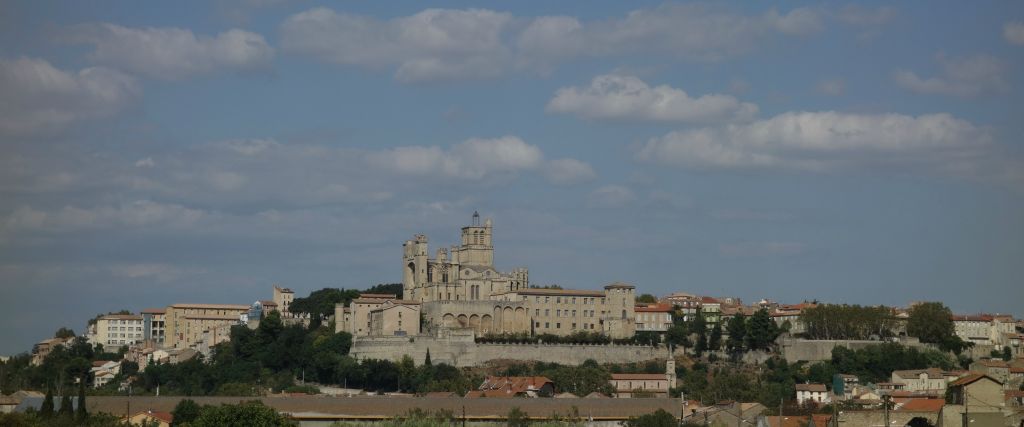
<point>414,262</point>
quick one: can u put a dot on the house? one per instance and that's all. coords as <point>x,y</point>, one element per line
<point>1014,398</point>
<point>103,371</point>
<point>688,304</point>
<point>711,309</point>
<point>978,392</point>
<point>8,403</point>
<point>653,317</point>
<point>816,393</point>
<point>931,380</point>
<point>997,369</point>
<point>515,387</point>
<point>44,347</point>
<point>627,385</point>
<point>151,419</point>
<point>844,384</point>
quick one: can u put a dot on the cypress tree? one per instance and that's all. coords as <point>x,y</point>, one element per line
<point>80,414</point>
<point>426,362</point>
<point>66,409</point>
<point>46,411</point>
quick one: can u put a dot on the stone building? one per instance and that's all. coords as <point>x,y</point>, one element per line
<point>187,323</point>
<point>282,299</point>
<point>461,289</point>
<point>154,323</point>
<point>116,330</point>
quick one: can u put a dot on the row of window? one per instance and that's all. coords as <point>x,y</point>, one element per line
<point>122,328</point>
<point>568,300</point>
<point>558,325</point>
<point>564,313</point>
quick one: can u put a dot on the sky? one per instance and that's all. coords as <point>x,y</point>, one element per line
<point>187,152</point>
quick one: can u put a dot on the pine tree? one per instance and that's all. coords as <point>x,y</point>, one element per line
<point>80,414</point>
<point>761,331</point>
<point>700,327</point>
<point>46,411</point>
<point>737,330</point>
<point>715,340</point>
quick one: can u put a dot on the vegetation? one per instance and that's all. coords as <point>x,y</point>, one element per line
<point>847,322</point>
<point>932,322</point>
<point>761,331</point>
<point>737,330</point>
<point>245,414</point>
<point>646,299</point>
<point>659,418</point>
<point>579,380</point>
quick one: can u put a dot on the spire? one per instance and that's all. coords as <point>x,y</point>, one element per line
<point>476,219</point>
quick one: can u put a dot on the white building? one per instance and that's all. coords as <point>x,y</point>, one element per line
<point>116,330</point>
<point>816,393</point>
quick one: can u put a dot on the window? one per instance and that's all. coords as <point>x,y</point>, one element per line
<point>558,326</point>
<point>547,312</point>
<point>558,313</point>
<point>558,300</point>
<point>537,324</point>
<point>574,300</point>
<point>574,315</point>
<point>547,325</point>
<point>536,312</point>
<point>574,326</point>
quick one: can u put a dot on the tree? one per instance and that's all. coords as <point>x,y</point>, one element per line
<point>700,327</point>
<point>80,413</point>
<point>426,361</point>
<point>715,340</point>
<point>518,418</point>
<point>659,418</point>
<point>185,412</point>
<point>647,299</point>
<point>66,408</point>
<point>320,304</point>
<point>1007,354</point>
<point>46,411</point>
<point>64,333</point>
<point>678,335</point>
<point>389,288</point>
<point>761,331</point>
<point>737,329</point>
<point>930,322</point>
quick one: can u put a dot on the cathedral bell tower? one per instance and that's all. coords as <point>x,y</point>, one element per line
<point>476,248</point>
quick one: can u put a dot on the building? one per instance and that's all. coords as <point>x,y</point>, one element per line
<point>515,387</point>
<point>462,273</point>
<point>978,392</point>
<point>711,309</point>
<point>186,323</point>
<point>154,326</point>
<point>282,299</point>
<point>461,289</point>
<point>652,385</point>
<point>932,380</point>
<point>103,371</point>
<point>688,304</point>
<point>43,348</point>
<point>116,330</point>
<point>814,393</point>
<point>997,369</point>
<point>653,317</point>
<point>395,317</point>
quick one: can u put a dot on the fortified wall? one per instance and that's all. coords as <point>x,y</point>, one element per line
<point>458,348</point>
<point>794,350</point>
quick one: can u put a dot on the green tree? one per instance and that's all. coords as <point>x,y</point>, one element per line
<point>678,335</point>
<point>66,408</point>
<point>46,411</point>
<point>761,331</point>
<point>185,412</point>
<point>245,414</point>
<point>659,418</point>
<point>64,333</point>
<point>389,288</point>
<point>715,339</point>
<point>81,415</point>
<point>426,361</point>
<point>931,322</point>
<point>320,304</point>
<point>647,299</point>
<point>1007,354</point>
<point>737,329</point>
<point>517,418</point>
<point>699,326</point>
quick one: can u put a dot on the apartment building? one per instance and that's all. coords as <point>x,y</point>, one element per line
<point>154,324</point>
<point>116,330</point>
<point>187,323</point>
<point>653,317</point>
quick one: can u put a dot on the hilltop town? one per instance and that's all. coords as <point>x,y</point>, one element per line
<point>458,330</point>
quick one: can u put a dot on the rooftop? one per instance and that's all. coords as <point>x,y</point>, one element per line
<point>643,377</point>
<point>212,306</point>
<point>811,387</point>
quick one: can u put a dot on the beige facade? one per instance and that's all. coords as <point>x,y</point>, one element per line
<point>395,317</point>
<point>283,297</point>
<point>461,273</point>
<point>154,324</point>
<point>116,330</point>
<point>187,323</point>
<point>656,385</point>
<point>653,317</point>
<point>924,380</point>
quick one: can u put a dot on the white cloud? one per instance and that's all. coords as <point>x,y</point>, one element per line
<point>434,44</point>
<point>40,99</point>
<point>611,196</point>
<point>831,87</point>
<point>960,77</point>
<point>820,141</point>
<point>445,44</point>
<point>145,163</point>
<point>474,158</point>
<point>617,97</point>
<point>172,53</point>
<point>568,171</point>
<point>1014,32</point>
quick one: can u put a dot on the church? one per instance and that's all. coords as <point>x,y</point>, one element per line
<point>459,288</point>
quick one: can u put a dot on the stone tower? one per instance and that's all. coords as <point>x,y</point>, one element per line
<point>477,248</point>
<point>414,261</point>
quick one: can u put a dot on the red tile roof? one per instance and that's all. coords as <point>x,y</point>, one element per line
<point>923,405</point>
<point>162,416</point>
<point>970,379</point>
<point>654,308</point>
<point>513,385</point>
<point>811,387</point>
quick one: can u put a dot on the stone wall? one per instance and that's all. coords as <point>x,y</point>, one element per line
<point>458,348</point>
<point>819,350</point>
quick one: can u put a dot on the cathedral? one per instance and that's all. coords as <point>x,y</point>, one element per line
<point>462,273</point>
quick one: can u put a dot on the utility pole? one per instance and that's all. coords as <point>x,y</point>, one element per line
<point>463,415</point>
<point>885,402</point>
<point>781,401</point>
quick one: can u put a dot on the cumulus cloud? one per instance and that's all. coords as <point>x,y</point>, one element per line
<point>172,53</point>
<point>969,76</point>
<point>474,158</point>
<point>568,171</point>
<point>444,44</point>
<point>1013,32</point>
<point>39,98</point>
<point>611,196</point>
<point>820,141</point>
<point>618,97</point>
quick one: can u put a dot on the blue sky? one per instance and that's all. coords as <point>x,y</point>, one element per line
<point>866,153</point>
